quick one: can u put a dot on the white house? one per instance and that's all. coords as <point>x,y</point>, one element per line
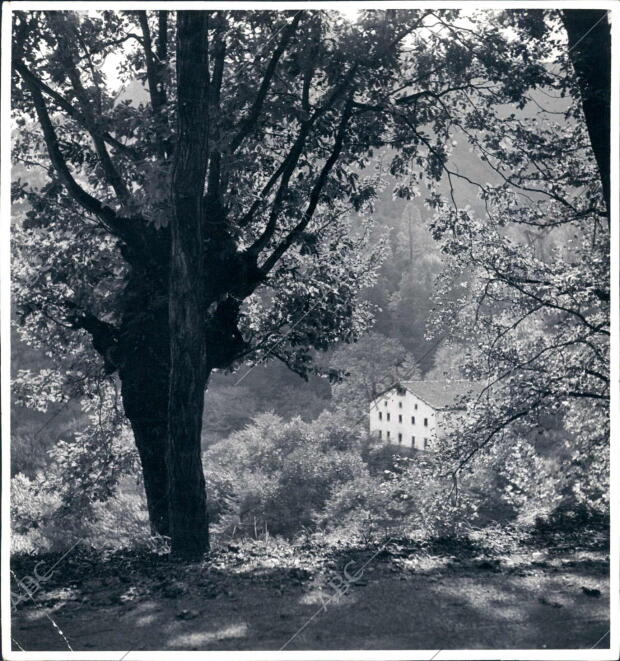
<point>413,413</point>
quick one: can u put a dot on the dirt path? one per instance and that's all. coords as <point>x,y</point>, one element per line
<point>393,603</point>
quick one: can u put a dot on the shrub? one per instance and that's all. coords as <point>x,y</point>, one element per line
<point>512,482</point>
<point>32,514</point>
<point>41,521</point>
<point>572,515</point>
<point>122,521</point>
<point>284,471</point>
<point>411,499</point>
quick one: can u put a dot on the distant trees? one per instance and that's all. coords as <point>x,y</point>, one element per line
<point>208,225</point>
<point>405,285</point>
<point>450,361</point>
<point>367,368</point>
<point>230,405</point>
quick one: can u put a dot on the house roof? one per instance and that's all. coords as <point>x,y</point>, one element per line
<point>443,394</point>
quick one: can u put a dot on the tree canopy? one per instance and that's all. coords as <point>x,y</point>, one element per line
<point>537,312</point>
<point>204,220</point>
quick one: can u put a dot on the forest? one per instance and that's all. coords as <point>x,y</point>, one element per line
<point>231,231</point>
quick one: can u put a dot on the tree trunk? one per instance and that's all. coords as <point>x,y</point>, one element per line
<point>150,440</point>
<point>589,41</point>
<point>187,310</point>
<point>144,373</point>
<point>188,379</point>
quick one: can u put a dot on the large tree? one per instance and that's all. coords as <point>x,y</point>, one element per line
<point>207,224</point>
<point>589,42</point>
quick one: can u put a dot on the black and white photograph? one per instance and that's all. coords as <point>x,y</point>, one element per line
<point>310,330</point>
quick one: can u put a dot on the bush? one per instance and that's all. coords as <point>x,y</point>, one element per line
<point>380,458</point>
<point>571,515</point>
<point>410,500</point>
<point>221,485</point>
<point>41,522</point>
<point>512,483</point>
<point>284,471</point>
<point>122,521</point>
<point>32,515</point>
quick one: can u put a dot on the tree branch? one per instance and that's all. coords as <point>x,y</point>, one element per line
<point>157,91</point>
<point>111,174</point>
<point>156,94</point>
<point>117,225</point>
<point>499,427</point>
<point>30,79</point>
<point>511,282</point>
<point>287,166</point>
<point>309,72</point>
<point>286,169</point>
<point>316,190</point>
<point>250,120</point>
<point>67,52</point>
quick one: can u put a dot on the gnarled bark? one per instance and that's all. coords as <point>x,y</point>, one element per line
<point>188,357</point>
<point>144,350</point>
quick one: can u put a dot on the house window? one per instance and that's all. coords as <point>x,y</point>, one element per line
<point>385,403</point>
<point>380,415</point>
<point>412,440</point>
<point>425,422</point>
<point>388,416</point>
<point>412,419</point>
<point>387,434</point>
<point>400,418</point>
<point>427,444</point>
<point>400,438</point>
<point>379,433</point>
<point>400,405</point>
<point>415,406</point>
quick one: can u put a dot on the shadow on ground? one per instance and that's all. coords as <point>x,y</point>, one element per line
<point>398,598</point>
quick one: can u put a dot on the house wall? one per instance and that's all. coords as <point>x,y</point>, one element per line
<point>407,406</point>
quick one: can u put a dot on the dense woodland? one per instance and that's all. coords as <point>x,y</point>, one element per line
<point>333,206</point>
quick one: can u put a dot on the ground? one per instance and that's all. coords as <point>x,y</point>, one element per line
<point>271,596</point>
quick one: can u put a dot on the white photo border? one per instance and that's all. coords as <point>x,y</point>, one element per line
<point>610,653</point>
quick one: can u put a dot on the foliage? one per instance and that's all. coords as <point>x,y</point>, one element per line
<point>40,523</point>
<point>368,367</point>
<point>359,57</point>
<point>512,482</point>
<point>537,308</point>
<point>284,471</point>
<point>234,399</point>
<point>412,499</point>
<point>122,521</point>
<point>80,479</point>
<point>449,362</point>
<point>31,508</point>
<point>304,104</point>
